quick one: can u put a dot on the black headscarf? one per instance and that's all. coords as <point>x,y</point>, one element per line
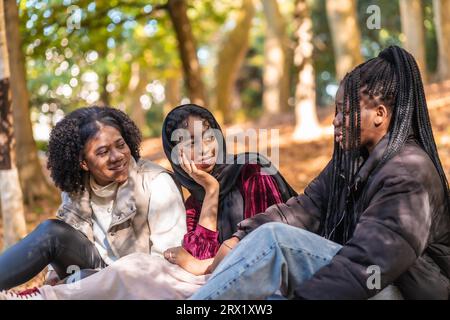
<point>226,172</point>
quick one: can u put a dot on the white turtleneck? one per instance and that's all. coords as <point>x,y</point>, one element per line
<point>166,215</point>
<point>102,202</point>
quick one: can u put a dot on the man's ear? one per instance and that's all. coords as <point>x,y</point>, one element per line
<point>83,165</point>
<point>382,115</point>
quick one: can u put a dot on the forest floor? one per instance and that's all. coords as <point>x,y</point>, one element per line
<point>298,162</point>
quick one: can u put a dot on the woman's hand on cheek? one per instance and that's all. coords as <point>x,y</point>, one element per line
<point>207,181</point>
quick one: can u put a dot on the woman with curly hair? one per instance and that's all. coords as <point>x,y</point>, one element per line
<point>113,202</point>
<point>225,189</point>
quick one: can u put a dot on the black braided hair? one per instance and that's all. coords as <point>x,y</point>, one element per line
<point>70,135</point>
<point>394,79</point>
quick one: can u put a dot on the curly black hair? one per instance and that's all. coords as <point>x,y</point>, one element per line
<point>70,135</point>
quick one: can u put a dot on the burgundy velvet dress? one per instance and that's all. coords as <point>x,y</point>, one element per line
<point>259,192</point>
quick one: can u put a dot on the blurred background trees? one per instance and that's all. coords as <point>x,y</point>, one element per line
<point>235,57</point>
<point>441,10</point>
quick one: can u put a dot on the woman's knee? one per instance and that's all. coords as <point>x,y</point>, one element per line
<point>280,231</point>
<point>53,227</point>
<point>273,228</point>
<point>268,231</point>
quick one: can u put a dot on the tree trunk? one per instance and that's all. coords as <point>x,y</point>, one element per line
<point>136,87</point>
<point>14,227</point>
<point>414,35</point>
<point>33,181</point>
<point>442,22</point>
<point>230,59</point>
<point>172,93</point>
<point>104,94</point>
<point>307,126</point>
<point>188,51</point>
<point>276,60</point>
<point>346,36</point>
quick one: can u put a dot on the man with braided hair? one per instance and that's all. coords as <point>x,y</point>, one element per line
<point>376,217</point>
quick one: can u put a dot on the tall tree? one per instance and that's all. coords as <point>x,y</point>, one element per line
<point>172,90</point>
<point>230,58</point>
<point>307,126</point>
<point>411,17</point>
<point>345,34</point>
<point>136,87</point>
<point>277,56</point>
<point>104,94</point>
<point>441,10</point>
<point>11,203</point>
<point>188,51</point>
<point>34,184</point>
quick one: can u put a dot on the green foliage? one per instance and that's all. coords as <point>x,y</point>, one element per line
<point>42,145</point>
<point>323,52</point>
<point>69,67</point>
<point>430,36</point>
<point>374,40</point>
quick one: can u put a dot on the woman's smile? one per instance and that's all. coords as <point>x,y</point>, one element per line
<point>208,160</point>
<point>119,168</point>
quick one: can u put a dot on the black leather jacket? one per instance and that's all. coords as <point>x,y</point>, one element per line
<point>404,228</point>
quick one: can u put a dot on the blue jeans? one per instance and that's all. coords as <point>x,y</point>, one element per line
<point>274,257</point>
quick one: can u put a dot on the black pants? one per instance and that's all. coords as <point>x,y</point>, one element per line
<point>52,242</point>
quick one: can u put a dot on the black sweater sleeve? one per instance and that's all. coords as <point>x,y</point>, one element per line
<point>390,235</point>
<point>303,211</point>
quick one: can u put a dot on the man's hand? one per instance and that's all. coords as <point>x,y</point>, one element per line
<point>224,249</point>
<point>206,180</point>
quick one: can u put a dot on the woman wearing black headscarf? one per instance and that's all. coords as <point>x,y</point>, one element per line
<point>225,189</point>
